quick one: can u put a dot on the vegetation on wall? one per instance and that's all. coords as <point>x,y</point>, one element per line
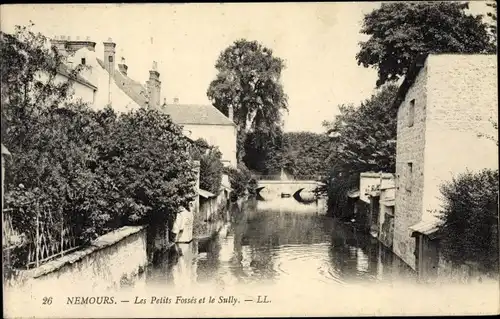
<point>363,139</point>
<point>211,167</point>
<point>470,220</point>
<point>93,169</point>
<point>298,153</point>
<point>242,182</point>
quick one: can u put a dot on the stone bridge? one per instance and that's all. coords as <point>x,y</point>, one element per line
<point>277,188</point>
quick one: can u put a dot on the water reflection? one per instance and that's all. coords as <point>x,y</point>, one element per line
<point>280,242</point>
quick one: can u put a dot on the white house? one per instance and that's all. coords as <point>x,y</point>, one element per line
<point>113,86</point>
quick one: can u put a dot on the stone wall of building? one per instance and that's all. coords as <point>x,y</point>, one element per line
<point>386,218</point>
<point>462,96</point>
<point>410,151</point>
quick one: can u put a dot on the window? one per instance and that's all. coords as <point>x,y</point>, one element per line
<point>411,113</point>
<point>83,61</point>
<point>409,178</point>
<point>110,58</point>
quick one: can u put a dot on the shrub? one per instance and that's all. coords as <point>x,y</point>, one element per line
<point>470,219</point>
<point>94,170</point>
<point>211,167</point>
<point>242,181</point>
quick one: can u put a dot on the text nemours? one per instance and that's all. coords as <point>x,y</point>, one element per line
<point>165,300</point>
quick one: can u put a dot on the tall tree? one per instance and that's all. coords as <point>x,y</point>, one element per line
<point>211,167</point>
<point>264,155</point>
<point>306,153</point>
<point>400,31</point>
<point>492,14</point>
<point>248,80</point>
<point>365,136</point>
<point>25,56</point>
<point>364,139</point>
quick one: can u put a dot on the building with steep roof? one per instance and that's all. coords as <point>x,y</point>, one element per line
<point>111,85</point>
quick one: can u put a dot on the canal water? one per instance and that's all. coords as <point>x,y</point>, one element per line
<point>279,242</point>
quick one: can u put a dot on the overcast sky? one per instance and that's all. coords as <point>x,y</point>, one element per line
<point>318,42</point>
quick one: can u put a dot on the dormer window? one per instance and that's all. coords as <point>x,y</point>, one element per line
<point>83,61</point>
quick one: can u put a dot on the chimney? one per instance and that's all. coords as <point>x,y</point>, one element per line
<point>109,64</point>
<point>230,112</point>
<point>73,46</point>
<point>109,56</point>
<point>123,67</point>
<point>154,86</point>
<point>59,43</point>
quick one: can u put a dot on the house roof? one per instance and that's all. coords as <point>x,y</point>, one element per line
<point>427,227</point>
<point>205,194</point>
<point>353,193</point>
<point>388,202</point>
<point>196,114</point>
<point>373,174</point>
<point>387,184</point>
<point>413,71</point>
<point>133,89</point>
<point>64,70</point>
<point>410,77</point>
<point>180,113</point>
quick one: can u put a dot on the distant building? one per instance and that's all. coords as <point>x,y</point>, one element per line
<point>382,201</point>
<point>371,185</point>
<point>445,101</point>
<point>207,122</point>
<point>109,84</point>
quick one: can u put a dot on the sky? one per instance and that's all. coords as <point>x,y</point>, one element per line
<point>318,42</point>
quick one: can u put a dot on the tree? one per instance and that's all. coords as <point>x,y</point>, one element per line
<point>297,153</point>
<point>363,139</point>
<point>306,153</point>
<point>248,80</point>
<point>263,154</point>
<point>145,163</point>
<point>211,167</point>
<point>493,23</point>
<point>46,138</point>
<point>96,171</point>
<point>470,219</point>
<point>400,31</point>
<point>29,67</point>
<point>365,136</point>
<point>241,180</point>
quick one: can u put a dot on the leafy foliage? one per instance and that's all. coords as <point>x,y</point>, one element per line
<point>264,152</point>
<point>364,139</point>
<point>493,24</point>
<point>298,153</point>
<point>248,80</point>
<point>145,156</point>
<point>211,167</point>
<point>399,31</point>
<point>365,136</point>
<point>242,181</point>
<point>29,67</point>
<point>305,153</point>
<point>470,216</point>
<point>97,170</point>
